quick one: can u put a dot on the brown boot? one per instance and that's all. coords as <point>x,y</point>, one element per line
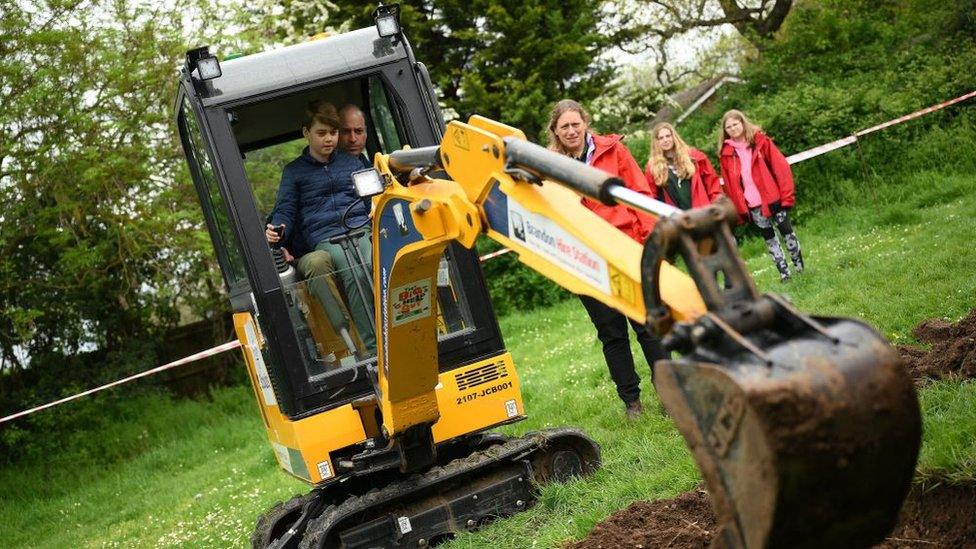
<point>634,409</point>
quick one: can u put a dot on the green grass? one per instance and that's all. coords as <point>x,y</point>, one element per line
<point>200,481</point>
<point>198,473</point>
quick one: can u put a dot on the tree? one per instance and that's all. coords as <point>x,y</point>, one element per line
<point>98,241</point>
<point>505,59</point>
<point>756,20</point>
<point>651,25</point>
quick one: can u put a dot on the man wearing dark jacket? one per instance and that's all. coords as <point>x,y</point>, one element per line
<point>316,190</point>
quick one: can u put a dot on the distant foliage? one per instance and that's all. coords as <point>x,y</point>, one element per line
<point>99,240</point>
<point>837,67</point>
<point>510,60</point>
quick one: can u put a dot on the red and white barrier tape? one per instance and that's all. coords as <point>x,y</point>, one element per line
<point>792,159</point>
<point>817,151</point>
<point>486,257</point>
<point>202,354</point>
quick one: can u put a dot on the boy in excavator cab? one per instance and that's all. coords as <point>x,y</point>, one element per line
<point>317,204</point>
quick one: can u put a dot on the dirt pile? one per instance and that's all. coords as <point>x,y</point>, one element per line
<point>941,516</point>
<point>685,521</point>
<point>953,352</point>
<point>936,517</point>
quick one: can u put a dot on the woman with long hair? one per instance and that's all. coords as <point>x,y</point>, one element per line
<point>682,175</point>
<point>570,135</point>
<point>759,181</point>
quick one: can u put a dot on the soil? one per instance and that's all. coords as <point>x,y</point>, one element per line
<point>940,516</point>
<point>953,351</point>
<point>683,522</point>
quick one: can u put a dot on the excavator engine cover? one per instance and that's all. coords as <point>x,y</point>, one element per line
<point>806,430</point>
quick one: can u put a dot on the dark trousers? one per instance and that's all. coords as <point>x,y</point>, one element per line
<point>611,329</point>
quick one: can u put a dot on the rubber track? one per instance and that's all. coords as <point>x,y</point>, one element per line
<point>319,527</point>
<point>261,537</point>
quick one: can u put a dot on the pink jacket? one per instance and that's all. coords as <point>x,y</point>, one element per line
<point>770,171</point>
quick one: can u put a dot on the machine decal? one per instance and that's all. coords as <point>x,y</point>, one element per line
<point>396,230</point>
<point>410,302</point>
<point>264,380</point>
<point>511,409</point>
<point>474,395</point>
<point>496,210</point>
<point>725,427</point>
<point>284,459</point>
<point>404,524</point>
<point>298,467</point>
<point>481,375</point>
<point>461,138</point>
<point>545,237</point>
<point>325,469</point>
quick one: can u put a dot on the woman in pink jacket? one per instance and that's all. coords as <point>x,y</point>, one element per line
<point>759,181</point>
<point>681,175</point>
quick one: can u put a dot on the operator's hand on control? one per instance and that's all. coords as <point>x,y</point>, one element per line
<point>273,233</point>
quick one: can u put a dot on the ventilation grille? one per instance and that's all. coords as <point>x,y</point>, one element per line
<point>479,376</point>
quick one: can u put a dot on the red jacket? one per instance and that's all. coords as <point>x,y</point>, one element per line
<point>770,172</point>
<point>705,186</point>
<point>610,155</point>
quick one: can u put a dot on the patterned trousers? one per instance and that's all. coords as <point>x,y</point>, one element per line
<point>780,220</point>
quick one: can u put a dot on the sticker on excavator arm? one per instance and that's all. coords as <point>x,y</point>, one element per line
<point>264,380</point>
<point>461,139</point>
<point>545,237</point>
<point>404,524</point>
<point>410,302</point>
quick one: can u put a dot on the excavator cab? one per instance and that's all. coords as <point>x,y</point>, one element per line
<point>238,132</point>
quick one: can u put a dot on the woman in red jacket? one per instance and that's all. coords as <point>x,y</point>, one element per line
<point>759,181</point>
<point>682,175</point>
<point>569,134</point>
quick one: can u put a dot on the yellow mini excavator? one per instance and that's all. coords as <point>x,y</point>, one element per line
<point>806,429</point>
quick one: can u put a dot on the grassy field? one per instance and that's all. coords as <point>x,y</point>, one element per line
<point>204,471</point>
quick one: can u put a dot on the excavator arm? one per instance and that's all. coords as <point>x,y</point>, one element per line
<point>806,429</point>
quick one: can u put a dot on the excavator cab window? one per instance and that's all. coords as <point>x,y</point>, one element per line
<point>332,312</point>
<point>228,254</point>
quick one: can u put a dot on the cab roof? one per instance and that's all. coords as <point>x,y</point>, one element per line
<point>285,68</point>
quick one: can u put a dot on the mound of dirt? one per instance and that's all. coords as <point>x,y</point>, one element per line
<point>953,352</point>
<point>685,521</point>
<point>936,517</point>
<point>941,516</point>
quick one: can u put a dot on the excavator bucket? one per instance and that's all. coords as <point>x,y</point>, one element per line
<point>806,430</point>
